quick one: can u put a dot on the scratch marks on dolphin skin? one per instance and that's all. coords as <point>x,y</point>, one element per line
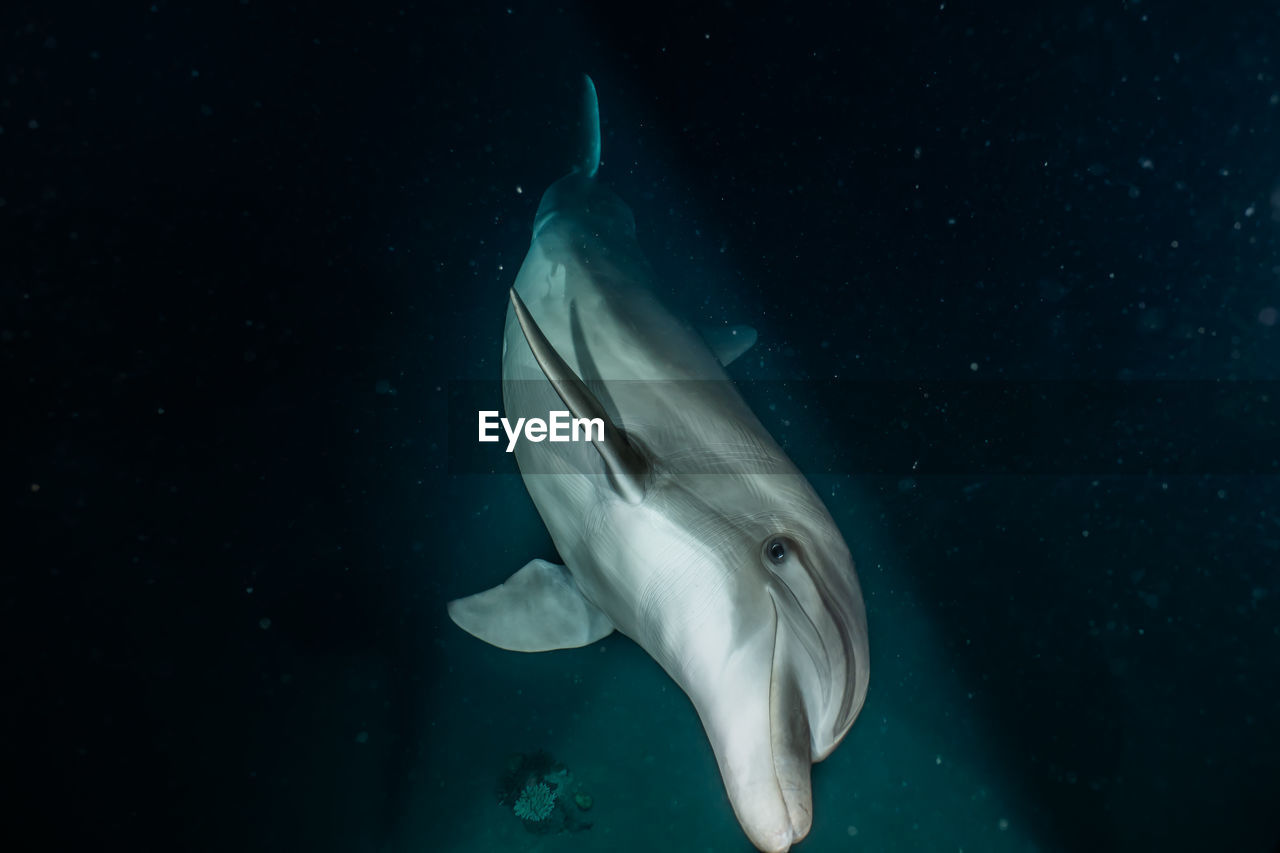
<point>556,277</point>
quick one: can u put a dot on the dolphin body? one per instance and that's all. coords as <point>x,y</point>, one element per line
<point>685,527</point>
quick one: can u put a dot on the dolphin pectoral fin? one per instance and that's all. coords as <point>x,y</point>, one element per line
<point>627,469</point>
<point>537,609</point>
<point>728,342</point>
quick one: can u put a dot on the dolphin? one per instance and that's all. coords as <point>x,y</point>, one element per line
<point>682,524</point>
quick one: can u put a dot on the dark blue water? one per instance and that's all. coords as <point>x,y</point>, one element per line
<point>250,249</point>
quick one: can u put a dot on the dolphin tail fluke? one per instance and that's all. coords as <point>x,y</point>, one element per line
<point>590,162</point>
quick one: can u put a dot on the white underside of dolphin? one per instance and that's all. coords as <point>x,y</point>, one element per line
<point>686,527</point>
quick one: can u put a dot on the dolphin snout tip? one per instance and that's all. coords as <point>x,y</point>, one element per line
<point>778,844</point>
<point>774,840</point>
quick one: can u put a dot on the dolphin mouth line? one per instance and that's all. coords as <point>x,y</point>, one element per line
<point>806,631</point>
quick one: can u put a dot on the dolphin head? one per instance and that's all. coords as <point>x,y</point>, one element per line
<point>769,638</point>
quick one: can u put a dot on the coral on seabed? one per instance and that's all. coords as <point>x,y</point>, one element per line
<point>536,802</point>
<point>543,794</point>
<point>523,768</point>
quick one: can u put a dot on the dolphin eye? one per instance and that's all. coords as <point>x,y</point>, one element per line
<point>777,550</point>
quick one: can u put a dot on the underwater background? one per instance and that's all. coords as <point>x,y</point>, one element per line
<point>252,248</point>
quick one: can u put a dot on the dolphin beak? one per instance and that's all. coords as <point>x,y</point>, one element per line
<point>755,718</point>
<point>790,738</point>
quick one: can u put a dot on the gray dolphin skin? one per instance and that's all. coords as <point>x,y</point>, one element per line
<point>684,526</point>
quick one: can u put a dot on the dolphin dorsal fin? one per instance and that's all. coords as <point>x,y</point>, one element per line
<point>590,162</point>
